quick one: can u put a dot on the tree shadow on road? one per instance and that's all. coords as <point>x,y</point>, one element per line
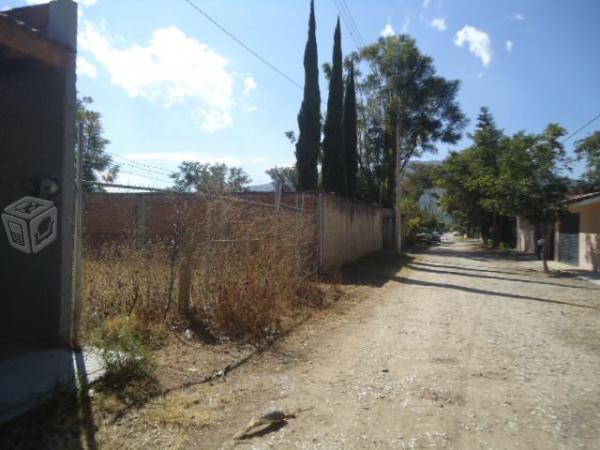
<point>421,267</point>
<point>410,281</point>
<point>374,270</point>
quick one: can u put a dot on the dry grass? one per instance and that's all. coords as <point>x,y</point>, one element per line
<point>228,269</point>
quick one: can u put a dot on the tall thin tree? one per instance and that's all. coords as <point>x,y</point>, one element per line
<point>350,135</point>
<point>309,117</point>
<point>334,161</point>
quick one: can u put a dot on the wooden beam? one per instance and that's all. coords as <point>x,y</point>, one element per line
<point>19,39</point>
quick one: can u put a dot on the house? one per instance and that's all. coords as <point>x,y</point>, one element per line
<point>576,236</point>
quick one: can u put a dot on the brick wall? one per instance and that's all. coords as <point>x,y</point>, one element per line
<point>344,230</point>
<point>110,217</point>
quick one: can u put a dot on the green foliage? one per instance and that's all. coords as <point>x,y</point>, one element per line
<point>499,178</point>
<point>403,93</point>
<point>286,177</point>
<point>589,149</point>
<point>531,182</point>
<point>334,159</point>
<point>350,135</point>
<point>97,164</point>
<point>209,178</point>
<point>127,362</point>
<point>309,117</point>
<point>473,194</point>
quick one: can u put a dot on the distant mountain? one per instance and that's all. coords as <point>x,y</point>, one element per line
<point>267,187</point>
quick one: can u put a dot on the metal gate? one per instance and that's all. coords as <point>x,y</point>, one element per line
<point>568,247</point>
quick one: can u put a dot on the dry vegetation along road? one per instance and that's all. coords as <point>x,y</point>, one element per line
<point>451,348</point>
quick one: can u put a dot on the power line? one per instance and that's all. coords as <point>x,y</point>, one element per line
<point>252,52</point>
<point>145,176</point>
<point>348,20</point>
<point>361,40</point>
<point>142,175</point>
<point>348,25</point>
<point>142,168</point>
<point>580,129</point>
<point>148,166</point>
<point>127,186</point>
<point>246,47</point>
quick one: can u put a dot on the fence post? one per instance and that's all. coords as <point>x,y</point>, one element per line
<point>77,244</point>
<point>185,280</point>
<point>320,226</point>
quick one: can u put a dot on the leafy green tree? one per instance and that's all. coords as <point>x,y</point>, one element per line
<point>97,165</point>
<point>209,178</point>
<point>309,118</point>
<point>487,147</point>
<point>350,135</point>
<point>286,177</point>
<point>334,160</point>
<point>462,198</point>
<point>589,149</point>
<point>408,108</point>
<point>532,182</point>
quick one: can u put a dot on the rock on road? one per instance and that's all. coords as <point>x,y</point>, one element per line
<point>454,348</point>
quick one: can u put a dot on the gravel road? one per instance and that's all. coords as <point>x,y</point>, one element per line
<point>456,349</point>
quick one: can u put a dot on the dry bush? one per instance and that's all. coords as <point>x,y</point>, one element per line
<point>232,268</point>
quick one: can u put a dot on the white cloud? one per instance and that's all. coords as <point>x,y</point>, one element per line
<point>509,46</point>
<point>519,16</point>
<point>479,42</point>
<point>426,3</point>
<point>171,69</point>
<point>252,108</point>
<point>388,31</point>
<point>212,120</point>
<point>84,67</point>
<point>249,85</point>
<point>439,23</point>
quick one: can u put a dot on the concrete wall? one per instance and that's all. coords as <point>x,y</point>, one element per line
<point>348,230</point>
<point>37,142</point>
<point>525,236</point>
<point>589,236</point>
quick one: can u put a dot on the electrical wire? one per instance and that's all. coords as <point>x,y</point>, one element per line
<point>127,186</point>
<point>580,129</point>
<point>243,45</point>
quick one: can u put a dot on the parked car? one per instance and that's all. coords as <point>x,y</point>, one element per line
<point>436,237</point>
<point>424,237</point>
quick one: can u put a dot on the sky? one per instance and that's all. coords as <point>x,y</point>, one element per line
<point>171,86</point>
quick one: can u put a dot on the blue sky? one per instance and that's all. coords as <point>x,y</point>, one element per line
<point>172,86</point>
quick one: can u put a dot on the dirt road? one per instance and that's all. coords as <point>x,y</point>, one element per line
<point>448,348</point>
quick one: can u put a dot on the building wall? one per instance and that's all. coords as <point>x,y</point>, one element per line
<point>525,236</point>
<point>37,142</point>
<point>589,236</point>
<point>348,230</point>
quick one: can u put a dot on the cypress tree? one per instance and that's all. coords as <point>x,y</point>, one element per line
<point>309,117</point>
<point>350,136</point>
<point>334,167</point>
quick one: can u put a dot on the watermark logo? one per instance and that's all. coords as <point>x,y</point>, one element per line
<point>30,224</point>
